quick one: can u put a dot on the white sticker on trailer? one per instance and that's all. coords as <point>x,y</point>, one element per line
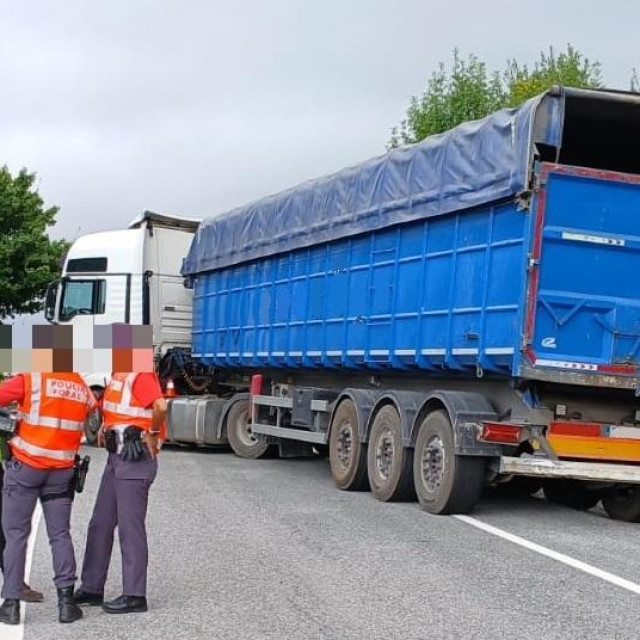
<point>561,364</point>
<point>584,237</point>
<point>625,433</point>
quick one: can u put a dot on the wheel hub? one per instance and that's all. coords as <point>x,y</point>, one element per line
<point>244,430</point>
<point>433,464</point>
<point>384,454</point>
<point>344,445</point>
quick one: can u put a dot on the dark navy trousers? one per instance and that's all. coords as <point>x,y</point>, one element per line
<point>23,485</point>
<point>121,502</point>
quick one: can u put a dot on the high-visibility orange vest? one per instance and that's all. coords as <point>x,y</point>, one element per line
<point>51,419</point>
<point>120,407</point>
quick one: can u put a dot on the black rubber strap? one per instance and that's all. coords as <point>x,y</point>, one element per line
<point>56,496</point>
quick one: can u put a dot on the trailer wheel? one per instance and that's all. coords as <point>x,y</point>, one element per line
<point>347,455</point>
<point>571,493</point>
<point>241,439</point>
<point>444,482</point>
<point>388,461</point>
<point>623,504</point>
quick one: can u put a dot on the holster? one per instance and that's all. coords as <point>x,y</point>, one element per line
<point>80,470</point>
<point>111,441</point>
<point>132,446</point>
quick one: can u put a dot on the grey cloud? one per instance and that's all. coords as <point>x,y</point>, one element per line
<point>201,105</point>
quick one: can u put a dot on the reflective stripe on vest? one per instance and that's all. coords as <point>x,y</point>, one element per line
<point>40,452</point>
<point>122,409</point>
<point>118,407</point>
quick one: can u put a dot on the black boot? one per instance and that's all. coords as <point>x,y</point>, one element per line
<point>10,611</point>
<point>69,610</point>
<point>126,604</point>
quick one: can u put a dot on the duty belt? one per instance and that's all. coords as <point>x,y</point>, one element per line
<point>129,440</point>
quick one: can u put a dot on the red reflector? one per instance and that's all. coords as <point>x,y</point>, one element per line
<point>497,432</point>
<point>618,369</point>
<point>256,385</point>
<point>584,429</point>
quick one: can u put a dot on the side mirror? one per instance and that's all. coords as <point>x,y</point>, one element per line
<point>50,301</point>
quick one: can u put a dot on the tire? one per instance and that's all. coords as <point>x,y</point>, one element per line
<point>571,493</point>
<point>388,461</point>
<point>94,420</point>
<point>623,504</point>
<point>243,443</point>
<point>444,482</point>
<point>347,455</point>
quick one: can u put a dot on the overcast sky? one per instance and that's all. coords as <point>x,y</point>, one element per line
<point>198,106</point>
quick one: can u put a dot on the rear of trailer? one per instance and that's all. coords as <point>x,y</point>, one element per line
<point>459,311</point>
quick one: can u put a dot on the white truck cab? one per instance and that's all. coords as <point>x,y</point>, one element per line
<point>128,276</point>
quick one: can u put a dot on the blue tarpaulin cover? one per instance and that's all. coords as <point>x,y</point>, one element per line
<point>471,165</point>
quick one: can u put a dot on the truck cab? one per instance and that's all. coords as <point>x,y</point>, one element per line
<point>128,276</point>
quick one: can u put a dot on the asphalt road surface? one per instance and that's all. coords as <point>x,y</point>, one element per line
<point>270,549</point>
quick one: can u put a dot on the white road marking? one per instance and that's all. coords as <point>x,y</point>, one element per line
<point>17,632</point>
<point>554,555</point>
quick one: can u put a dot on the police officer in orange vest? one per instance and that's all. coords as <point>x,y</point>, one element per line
<point>52,409</point>
<point>134,411</point>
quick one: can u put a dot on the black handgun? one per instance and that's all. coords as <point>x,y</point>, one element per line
<point>111,441</point>
<point>80,470</point>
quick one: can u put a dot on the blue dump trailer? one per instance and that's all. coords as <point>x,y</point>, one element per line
<point>460,312</point>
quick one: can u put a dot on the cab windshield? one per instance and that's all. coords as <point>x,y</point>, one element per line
<point>82,297</point>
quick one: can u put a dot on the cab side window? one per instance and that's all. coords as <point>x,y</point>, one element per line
<point>82,297</point>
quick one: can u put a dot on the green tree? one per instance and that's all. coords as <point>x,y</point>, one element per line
<point>569,68</point>
<point>29,259</point>
<point>469,91</point>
